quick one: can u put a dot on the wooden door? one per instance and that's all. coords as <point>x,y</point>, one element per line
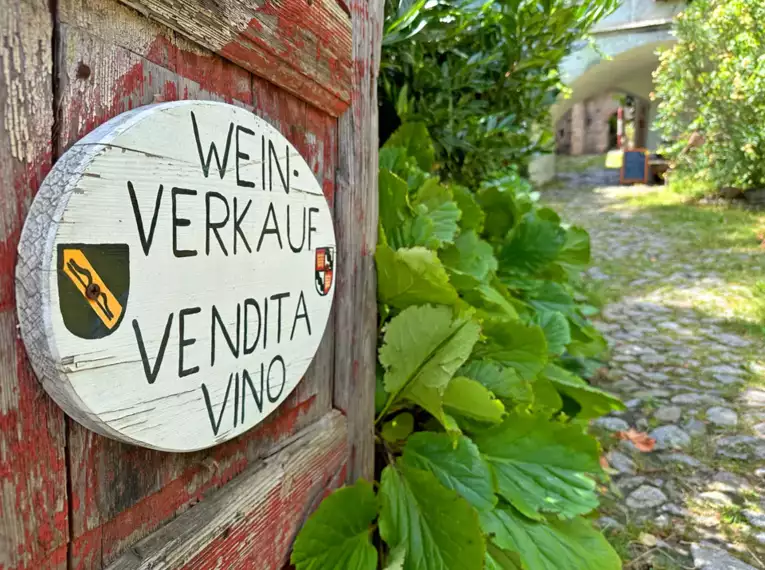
<point>72,499</point>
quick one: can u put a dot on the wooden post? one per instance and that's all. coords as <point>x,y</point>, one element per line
<point>33,504</point>
<point>356,227</point>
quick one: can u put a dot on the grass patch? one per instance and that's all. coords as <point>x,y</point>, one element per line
<point>573,164</point>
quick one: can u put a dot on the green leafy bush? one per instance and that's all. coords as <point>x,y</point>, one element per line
<point>711,82</point>
<point>484,456</point>
<point>480,74</point>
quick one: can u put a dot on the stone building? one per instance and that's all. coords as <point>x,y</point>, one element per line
<point>623,61</point>
<point>589,127</point>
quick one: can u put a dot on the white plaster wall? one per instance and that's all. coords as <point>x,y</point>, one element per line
<point>632,11</point>
<point>610,47</point>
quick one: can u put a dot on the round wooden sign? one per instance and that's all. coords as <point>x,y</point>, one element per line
<point>175,275</point>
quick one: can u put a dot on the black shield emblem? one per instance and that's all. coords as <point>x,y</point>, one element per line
<point>325,263</point>
<point>93,287</point>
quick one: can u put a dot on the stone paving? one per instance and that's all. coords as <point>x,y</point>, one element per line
<point>695,386</point>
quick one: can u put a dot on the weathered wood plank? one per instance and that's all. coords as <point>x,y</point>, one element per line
<point>356,227</point>
<point>121,493</point>
<point>302,47</point>
<point>33,502</point>
<point>252,521</point>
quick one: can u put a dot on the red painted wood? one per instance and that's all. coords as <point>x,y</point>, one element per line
<point>33,502</point>
<point>321,133</point>
<point>121,493</point>
<point>264,539</point>
<point>303,47</point>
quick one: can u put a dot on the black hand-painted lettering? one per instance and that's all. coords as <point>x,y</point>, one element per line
<point>270,215</point>
<point>311,228</point>
<point>183,342</point>
<point>232,346</point>
<point>278,298</point>
<point>240,154</point>
<point>257,396</point>
<point>265,323</point>
<point>179,222</point>
<point>145,240</point>
<point>215,226</point>
<point>212,151</point>
<point>274,399</point>
<point>301,315</point>
<point>273,158</point>
<point>249,349</point>
<point>299,248</point>
<point>238,233</point>
<point>263,162</point>
<point>152,371</point>
<point>216,425</point>
<point>236,398</point>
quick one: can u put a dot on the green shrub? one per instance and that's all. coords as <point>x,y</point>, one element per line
<point>711,82</point>
<point>481,75</point>
<point>484,456</point>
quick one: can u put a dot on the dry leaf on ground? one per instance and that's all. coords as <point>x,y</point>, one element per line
<point>641,440</point>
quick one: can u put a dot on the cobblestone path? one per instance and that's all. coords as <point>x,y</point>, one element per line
<point>692,376</point>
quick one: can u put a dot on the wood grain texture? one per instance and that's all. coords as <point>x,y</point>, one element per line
<point>356,231</point>
<point>121,493</point>
<point>99,80</point>
<point>33,503</point>
<point>252,521</point>
<point>303,47</point>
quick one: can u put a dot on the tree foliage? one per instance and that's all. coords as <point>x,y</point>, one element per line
<point>710,82</point>
<point>479,74</point>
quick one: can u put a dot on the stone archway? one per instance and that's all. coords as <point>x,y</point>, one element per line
<point>623,60</point>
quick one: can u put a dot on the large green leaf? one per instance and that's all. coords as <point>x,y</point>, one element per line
<point>438,529</point>
<point>546,397</point>
<point>337,535</point>
<point>415,139</point>
<point>489,300</point>
<point>412,277</point>
<point>541,465</point>
<point>593,402</point>
<point>576,249</point>
<point>519,346</point>
<point>470,260</point>
<point>471,399</point>
<point>553,545</point>
<point>396,214</point>
<point>472,214</point>
<point>396,558</point>
<point>399,428</point>
<point>500,559</point>
<point>534,243</point>
<point>502,380</point>
<point>586,340</point>
<point>423,347</point>
<point>501,210</point>
<point>549,296</point>
<point>455,463</point>
<point>556,329</point>
<point>435,204</point>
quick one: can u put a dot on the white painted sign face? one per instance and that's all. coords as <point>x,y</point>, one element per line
<point>175,275</point>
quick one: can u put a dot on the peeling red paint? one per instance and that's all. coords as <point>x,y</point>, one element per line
<point>120,493</point>
<point>32,469</point>
<point>263,539</point>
